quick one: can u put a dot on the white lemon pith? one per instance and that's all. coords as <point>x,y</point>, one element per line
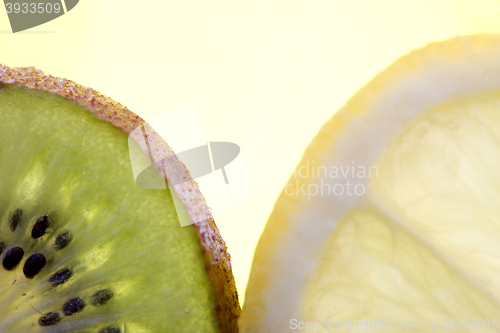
<point>393,218</point>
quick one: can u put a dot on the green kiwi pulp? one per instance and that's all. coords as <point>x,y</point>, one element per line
<point>83,248</point>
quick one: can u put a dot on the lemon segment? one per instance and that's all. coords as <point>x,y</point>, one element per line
<point>418,242</point>
<point>375,271</point>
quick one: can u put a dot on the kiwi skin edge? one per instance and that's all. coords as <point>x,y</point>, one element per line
<point>217,259</point>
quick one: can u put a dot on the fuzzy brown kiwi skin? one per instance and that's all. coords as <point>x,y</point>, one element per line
<point>217,259</point>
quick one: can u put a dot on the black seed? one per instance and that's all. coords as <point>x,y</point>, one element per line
<point>2,247</point>
<point>49,319</point>
<point>109,330</point>
<point>60,277</point>
<point>101,297</point>
<point>73,306</point>
<point>15,219</point>
<point>33,265</point>
<point>40,227</point>
<point>12,258</point>
<point>63,240</point>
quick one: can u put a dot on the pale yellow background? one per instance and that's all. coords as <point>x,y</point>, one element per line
<point>263,74</point>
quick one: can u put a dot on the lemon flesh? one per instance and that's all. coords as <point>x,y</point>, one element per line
<point>392,220</point>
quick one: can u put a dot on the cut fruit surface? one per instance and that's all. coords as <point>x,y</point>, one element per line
<point>392,219</point>
<point>84,248</point>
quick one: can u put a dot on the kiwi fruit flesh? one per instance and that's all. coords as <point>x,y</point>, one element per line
<point>83,248</point>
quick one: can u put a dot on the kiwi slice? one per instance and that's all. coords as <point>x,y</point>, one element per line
<point>83,248</point>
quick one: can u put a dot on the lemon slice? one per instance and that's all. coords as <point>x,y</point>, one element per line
<point>392,218</point>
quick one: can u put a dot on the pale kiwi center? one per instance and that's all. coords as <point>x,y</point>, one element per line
<point>37,261</point>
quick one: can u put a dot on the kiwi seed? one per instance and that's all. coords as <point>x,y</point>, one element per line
<point>60,277</point>
<point>33,265</point>
<point>49,319</point>
<point>73,306</point>
<point>12,258</point>
<point>101,297</point>
<point>109,330</point>
<point>15,219</point>
<point>62,240</point>
<point>40,227</point>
